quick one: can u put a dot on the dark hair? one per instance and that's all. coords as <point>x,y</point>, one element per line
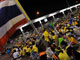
<point>27,38</point>
<point>41,47</point>
<point>53,46</point>
<point>60,51</point>
<point>72,51</point>
<point>52,33</point>
<point>64,43</point>
<point>14,50</point>
<point>34,38</point>
<point>33,42</point>
<point>44,29</point>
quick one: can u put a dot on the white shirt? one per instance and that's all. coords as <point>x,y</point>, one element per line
<point>15,54</point>
<point>49,52</point>
<point>17,49</point>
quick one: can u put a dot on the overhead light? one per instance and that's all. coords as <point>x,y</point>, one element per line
<point>37,12</point>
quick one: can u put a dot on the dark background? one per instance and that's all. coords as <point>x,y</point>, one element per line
<point>44,6</point>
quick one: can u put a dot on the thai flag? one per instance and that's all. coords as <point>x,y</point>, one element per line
<point>10,19</point>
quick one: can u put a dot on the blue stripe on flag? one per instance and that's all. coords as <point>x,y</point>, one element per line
<point>7,13</point>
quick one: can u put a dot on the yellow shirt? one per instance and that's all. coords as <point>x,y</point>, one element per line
<point>34,48</point>
<point>30,42</point>
<point>68,38</point>
<point>73,40</point>
<point>54,37</point>
<point>25,49</point>
<point>76,22</point>
<point>64,30</point>
<point>63,56</point>
<point>67,30</point>
<point>53,31</point>
<point>77,16</point>
<point>46,35</point>
<point>73,23</point>
<point>14,49</point>
<point>29,50</point>
<point>70,30</point>
<point>68,25</point>
<point>22,53</point>
<point>59,30</point>
<point>65,27</point>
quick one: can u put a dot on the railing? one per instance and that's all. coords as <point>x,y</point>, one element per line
<point>49,15</point>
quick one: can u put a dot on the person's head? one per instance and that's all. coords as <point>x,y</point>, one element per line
<point>41,46</point>
<point>59,50</point>
<point>72,15</point>
<point>63,44</point>
<point>27,39</point>
<point>33,42</point>
<point>59,36</point>
<point>44,29</point>
<point>52,33</point>
<point>71,51</point>
<point>53,46</point>
<point>28,46</point>
<point>14,50</point>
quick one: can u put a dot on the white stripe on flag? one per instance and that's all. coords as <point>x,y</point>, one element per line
<point>8,25</point>
<point>6,3</point>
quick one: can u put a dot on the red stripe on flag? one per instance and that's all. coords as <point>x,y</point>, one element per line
<point>2,0</point>
<point>5,38</point>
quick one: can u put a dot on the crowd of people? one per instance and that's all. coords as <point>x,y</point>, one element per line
<point>60,41</point>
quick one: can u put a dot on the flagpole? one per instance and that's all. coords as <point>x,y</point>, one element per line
<point>26,15</point>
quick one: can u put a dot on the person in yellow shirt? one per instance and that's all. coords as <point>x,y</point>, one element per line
<point>19,43</point>
<point>64,30</point>
<point>28,52</point>
<point>35,49</point>
<point>68,25</point>
<point>46,35</point>
<point>14,48</point>
<point>23,51</point>
<point>30,43</point>
<point>72,39</point>
<point>63,52</point>
<point>34,52</point>
<point>59,30</point>
<point>53,35</point>
<point>76,22</point>
<point>63,55</point>
<point>77,17</point>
